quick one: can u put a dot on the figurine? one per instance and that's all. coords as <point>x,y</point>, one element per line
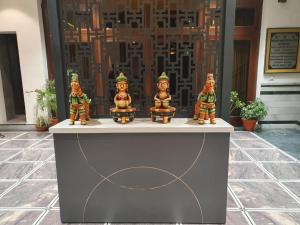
<point>205,106</point>
<point>122,101</point>
<point>162,100</point>
<point>79,102</point>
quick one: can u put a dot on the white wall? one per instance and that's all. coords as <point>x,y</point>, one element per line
<point>276,15</point>
<point>23,17</point>
<point>282,107</point>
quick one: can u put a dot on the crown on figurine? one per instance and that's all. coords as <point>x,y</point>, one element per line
<point>121,77</point>
<point>163,76</point>
<point>210,76</point>
<point>74,77</point>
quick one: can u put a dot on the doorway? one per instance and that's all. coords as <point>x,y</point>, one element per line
<point>246,45</point>
<point>13,106</point>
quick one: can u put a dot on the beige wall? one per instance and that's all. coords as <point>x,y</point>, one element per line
<point>276,15</point>
<point>24,18</point>
<point>281,107</point>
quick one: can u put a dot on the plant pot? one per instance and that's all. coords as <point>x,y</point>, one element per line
<point>41,128</point>
<point>249,125</point>
<point>54,121</point>
<point>235,121</point>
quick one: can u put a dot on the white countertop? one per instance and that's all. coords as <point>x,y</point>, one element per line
<point>142,125</point>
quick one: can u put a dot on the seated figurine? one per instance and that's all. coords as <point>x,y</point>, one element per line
<point>162,100</point>
<point>205,106</point>
<point>122,101</point>
<point>79,102</point>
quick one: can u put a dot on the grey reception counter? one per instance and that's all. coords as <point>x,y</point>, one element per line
<point>142,172</point>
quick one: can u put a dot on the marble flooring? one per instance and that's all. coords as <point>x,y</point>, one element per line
<point>263,188</point>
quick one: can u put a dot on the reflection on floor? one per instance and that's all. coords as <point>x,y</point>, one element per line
<point>287,139</point>
<point>264,181</point>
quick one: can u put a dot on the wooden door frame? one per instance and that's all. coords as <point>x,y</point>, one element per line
<point>252,34</point>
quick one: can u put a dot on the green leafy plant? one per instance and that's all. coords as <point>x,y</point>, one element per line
<point>255,110</point>
<point>42,121</point>
<point>46,98</point>
<point>235,102</point>
<point>51,96</point>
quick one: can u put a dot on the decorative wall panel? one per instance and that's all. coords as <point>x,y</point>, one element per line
<point>142,38</point>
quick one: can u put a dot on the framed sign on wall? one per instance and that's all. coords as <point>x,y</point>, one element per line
<point>283,50</point>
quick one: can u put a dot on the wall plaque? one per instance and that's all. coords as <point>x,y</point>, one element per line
<point>283,50</point>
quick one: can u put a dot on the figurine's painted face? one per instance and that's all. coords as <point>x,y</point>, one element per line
<point>163,85</point>
<point>122,86</point>
<point>210,82</point>
<point>75,88</point>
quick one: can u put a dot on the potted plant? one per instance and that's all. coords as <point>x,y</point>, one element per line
<point>46,100</point>
<point>251,113</point>
<point>235,107</point>
<point>42,123</point>
<point>52,104</point>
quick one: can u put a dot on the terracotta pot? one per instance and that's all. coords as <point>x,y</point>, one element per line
<point>235,121</point>
<point>54,121</point>
<point>41,129</point>
<point>249,125</point>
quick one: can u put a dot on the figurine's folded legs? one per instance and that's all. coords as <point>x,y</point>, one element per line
<point>197,110</point>
<point>212,115</point>
<point>202,114</point>
<point>73,111</point>
<point>82,114</point>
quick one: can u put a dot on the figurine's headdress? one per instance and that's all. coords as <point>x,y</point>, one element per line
<point>163,76</point>
<point>210,76</point>
<point>74,77</point>
<point>121,77</point>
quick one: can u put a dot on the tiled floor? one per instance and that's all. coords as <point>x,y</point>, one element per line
<point>264,181</point>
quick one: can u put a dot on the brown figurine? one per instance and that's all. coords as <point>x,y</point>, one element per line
<point>122,101</point>
<point>79,102</point>
<point>205,106</point>
<point>162,100</point>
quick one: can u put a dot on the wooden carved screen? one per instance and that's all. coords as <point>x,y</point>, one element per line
<point>142,38</point>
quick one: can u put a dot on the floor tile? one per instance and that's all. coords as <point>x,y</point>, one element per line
<point>34,135</point>
<point>242,135</point>
<point>53,218</point>
<point>232,145</point>
<point>50,137</point>
<point>33,155</point>
<point>56,204</point>
<point>294,187</point>
<point>285,139</point>
<point>252,144</point>
<point>19,217</point>
<point>267,155</point>
<point>237,155</point>
<point>17,144</point>
<point>2,141</point>
<point>4,185</point>
<point>44,144</point>
<point>263,195</point>
<point>276,218</point>
<point>15,170</point>
<point>236,218</point>
<point>4,155</point>
<point>284,170</point>
<point>246,171</point>
<point>230,201</point>
<point>9,135</point>
<point>47,171</point>
<point>30,194</point>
